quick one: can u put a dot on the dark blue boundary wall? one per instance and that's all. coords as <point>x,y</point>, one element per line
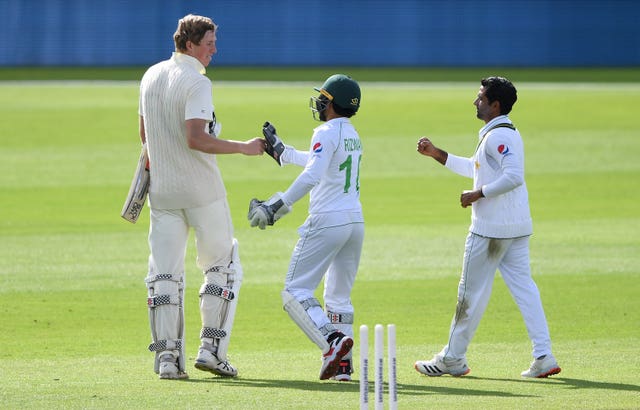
<point>535,33</point>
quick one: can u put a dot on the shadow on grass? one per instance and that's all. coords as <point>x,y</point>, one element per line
<point>571,383</point>
<point>403,389</point>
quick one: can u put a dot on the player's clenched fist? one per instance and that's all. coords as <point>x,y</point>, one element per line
<point>425,147</point>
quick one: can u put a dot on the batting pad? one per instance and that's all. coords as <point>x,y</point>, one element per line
<point>166,316</point>
<point>218,302</point>
<point>299,315</point>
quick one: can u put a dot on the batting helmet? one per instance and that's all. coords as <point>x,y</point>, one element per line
<point>342,90</point>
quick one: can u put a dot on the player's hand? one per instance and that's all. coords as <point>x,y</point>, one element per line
<point>255,146</point>
<point>426,147</point>
<point>469,197</point>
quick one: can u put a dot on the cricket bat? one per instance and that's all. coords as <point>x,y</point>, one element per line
<point>138,190</point>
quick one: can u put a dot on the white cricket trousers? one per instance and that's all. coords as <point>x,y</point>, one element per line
<point>169,232</point>
<point>332,252</point>
<point>482,257</point>
<point>168,235</point>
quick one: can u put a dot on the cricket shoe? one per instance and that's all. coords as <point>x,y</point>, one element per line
<point>543,366</point>
<point>339,345</point>
<point>344,371</point>
<point>169,369</point>
<point>438,366</point>
<point>209,362</point>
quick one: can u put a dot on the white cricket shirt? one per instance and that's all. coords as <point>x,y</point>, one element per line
<point>171,92</point>
<point>497,167</point>
<point>332,169</point>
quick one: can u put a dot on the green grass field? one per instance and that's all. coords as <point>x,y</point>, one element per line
<point>72,296</point>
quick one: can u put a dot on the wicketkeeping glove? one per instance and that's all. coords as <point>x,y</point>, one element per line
<point>263,213</point>
<point>275,146</point>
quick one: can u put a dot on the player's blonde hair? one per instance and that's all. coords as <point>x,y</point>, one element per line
<point>192,28</point>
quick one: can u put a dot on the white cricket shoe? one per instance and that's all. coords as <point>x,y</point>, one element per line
<point>438,366</point>
<point>339,345</point>
<point>543,366</point>
<point>209,362</point>
<point>168,368</point>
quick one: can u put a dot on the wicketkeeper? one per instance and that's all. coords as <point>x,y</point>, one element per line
<point>331,238</point>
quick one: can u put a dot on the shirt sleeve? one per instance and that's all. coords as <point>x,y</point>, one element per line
<point>199,102</point>
<point>460,165</point>
<point>294,156</point>
<point>319,159</point>
<point>501,149</point>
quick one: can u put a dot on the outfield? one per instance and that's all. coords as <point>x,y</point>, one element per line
<point>74,321</point>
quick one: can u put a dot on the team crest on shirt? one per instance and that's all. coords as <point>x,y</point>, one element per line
<point>503,149</point>
<point>317,148</point>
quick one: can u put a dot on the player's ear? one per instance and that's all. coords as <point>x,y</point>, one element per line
<point>495,106</point>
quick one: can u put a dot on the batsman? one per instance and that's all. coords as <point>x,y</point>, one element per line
<point>179,127</point>
<point>331,238</point>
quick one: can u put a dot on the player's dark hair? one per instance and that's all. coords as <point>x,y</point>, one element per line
<point>502,90</point>
<point>192,28</point>
<point>343,112</point>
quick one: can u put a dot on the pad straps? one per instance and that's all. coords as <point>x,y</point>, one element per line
<point>344,318</point>
<point>215,290</point>
<point>212,333</point>
<point>162,345</point>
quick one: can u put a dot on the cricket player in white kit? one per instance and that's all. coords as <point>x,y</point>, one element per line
<point>498,237</point>
<point>177,122</point>
<point>331,238</point>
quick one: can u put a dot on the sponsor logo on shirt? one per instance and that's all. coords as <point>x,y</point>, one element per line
<point>503,149</point>
<point>317,148</point>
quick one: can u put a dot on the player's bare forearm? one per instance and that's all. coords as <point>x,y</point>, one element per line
<point>200,140</point>
<point>426,147</point>
<point>213,145</point>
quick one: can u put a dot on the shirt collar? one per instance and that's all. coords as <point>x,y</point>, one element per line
<point>333,121</point>
<point>187,59</point>
<point>498,120</point>
<point>339,119</point>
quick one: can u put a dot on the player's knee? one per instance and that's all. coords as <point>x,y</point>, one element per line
<point>297,294</point>
<point>164,289</point>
